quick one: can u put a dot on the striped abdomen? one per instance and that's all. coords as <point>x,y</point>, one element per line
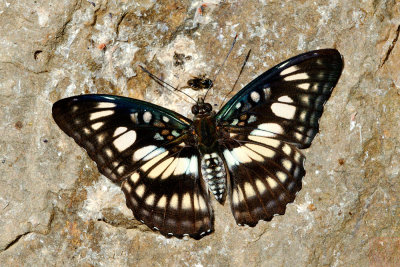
<point>213,172</point>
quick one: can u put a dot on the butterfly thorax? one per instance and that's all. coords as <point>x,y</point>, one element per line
<point>206,136</point>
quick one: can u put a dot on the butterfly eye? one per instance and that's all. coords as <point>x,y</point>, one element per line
<point>195,109</point>
<point>207,107</point>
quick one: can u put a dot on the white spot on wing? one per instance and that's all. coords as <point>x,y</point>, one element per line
<point>235,198</point>
<point>171,168</point>
<point>196,202</point>
<point>285,99</point>
<point>160,168</point>
<point>119,131</point>
<point>249,190</point>
<point>144,151</point>
<point>97,125</point>
<point>182,166</point>
<point>150,200</point>
<point>271,127</point>
<point>297,157</point>
<point>108,152</point>
<point>286,149</point>
<point>173,203</point>
<point>140,190</point>
<point>100,114</point>
<point>303,86</point>
<point>147,116</point>
<point>260,186</point>
<point>252,119</point>
<point>266,152</point>
<point>255,96</point>
<point>287,164</point>
<point>272,183</point>
<point>125,140</point>
<point>127,186</point>
<point>135,177</point>
<point>162,202</point>
<point>264,140</point>
<point>283,110</point>
<point>153,161</point>
<point>106,105</point>
<point>186,203</point>
<point>299,76</point>
<point>158,137</point>
<point>289,70</point>
<point>175,133</point>
<point>230,160</point>
<point>240,155</point>
<point>165,119</point>
<point>86,131</point>
<point>100,138</point>
<point>281,176</point>
<point>193,167</point>
<point>202,204</point>
<point>134,117</point>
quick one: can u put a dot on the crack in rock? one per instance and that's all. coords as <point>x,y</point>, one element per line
<point>9,245</point>
<point>389,51</point>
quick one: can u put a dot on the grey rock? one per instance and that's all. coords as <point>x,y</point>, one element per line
<point>55,207</point>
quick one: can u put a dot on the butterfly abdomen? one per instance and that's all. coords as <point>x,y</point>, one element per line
<point>212,165</point>
<point>213,172</point>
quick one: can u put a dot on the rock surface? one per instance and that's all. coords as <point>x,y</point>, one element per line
<point>55,207</point>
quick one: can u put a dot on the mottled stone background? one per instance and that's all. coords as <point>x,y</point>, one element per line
<point>55,207</point>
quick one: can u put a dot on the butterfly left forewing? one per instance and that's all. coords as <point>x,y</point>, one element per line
<point>265,124</point>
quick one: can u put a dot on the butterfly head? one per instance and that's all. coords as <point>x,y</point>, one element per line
<point>201,108</point>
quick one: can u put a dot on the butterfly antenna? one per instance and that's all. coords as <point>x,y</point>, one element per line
<point>237,79</point>
<point>166,85</point>
<point>223,63</point>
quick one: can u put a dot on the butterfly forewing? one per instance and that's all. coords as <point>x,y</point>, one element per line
<point>142,146</point>
<point>266,122</point>
<point>113,128</point>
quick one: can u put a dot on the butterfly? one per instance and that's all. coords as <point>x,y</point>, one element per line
<point>169,166</point>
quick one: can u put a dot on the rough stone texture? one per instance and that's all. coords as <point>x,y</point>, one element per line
<point>56,209</point>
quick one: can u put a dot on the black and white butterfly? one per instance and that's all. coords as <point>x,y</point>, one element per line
<point>167,164</point>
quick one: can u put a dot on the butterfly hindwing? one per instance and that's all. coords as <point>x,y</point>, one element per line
<point>265,175</point>
<point>142,146</point>
<point>267,121</point>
